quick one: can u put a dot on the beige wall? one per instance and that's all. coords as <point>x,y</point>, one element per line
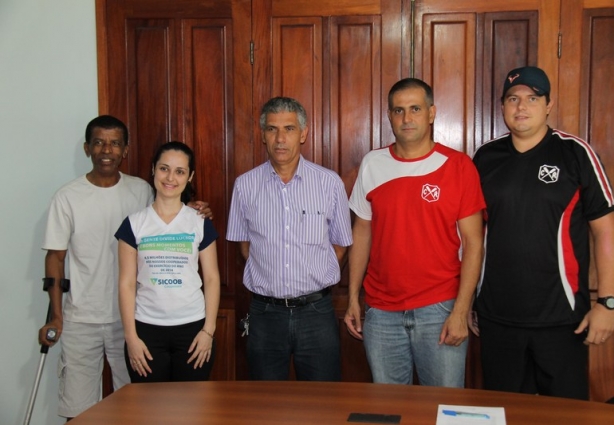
<point>48,93</point>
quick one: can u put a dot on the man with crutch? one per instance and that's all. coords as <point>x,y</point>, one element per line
<point>83,217</point>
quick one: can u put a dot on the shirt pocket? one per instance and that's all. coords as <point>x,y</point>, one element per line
<point>313,228</point>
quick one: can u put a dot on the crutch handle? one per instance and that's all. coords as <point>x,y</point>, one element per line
<point>49,336</point>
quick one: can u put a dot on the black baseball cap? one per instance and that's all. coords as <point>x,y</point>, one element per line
<point>530,76</point>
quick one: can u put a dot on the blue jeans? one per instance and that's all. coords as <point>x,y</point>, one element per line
<point>396,340</point>
<point>308,334</point>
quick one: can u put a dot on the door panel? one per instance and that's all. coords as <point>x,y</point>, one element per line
<point>596,101</point>
<point>509,41</point>
<point>595,126</point>
<point>316,48</point>
<point>356,95</point>
<point>338,58</point>
<point>169,73</point>
<point>207,116</point>
<point>509,35</point>
<point>152,78</point>
<point>298,73</point>
<point>464,50</point>
<point>448,63</point>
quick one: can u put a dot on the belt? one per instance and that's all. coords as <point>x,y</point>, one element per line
<point>293,302</point>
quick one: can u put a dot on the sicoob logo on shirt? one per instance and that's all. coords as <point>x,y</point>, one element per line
<point>165,282</point>
<point>548,173</point>
<point>430,193</point>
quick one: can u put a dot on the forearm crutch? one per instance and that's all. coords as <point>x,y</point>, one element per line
<point>51,335</point>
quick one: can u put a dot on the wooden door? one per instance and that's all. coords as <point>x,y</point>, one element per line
<point>338,58</point>
<point>200,71</point>
<point>188,70</point>
<point>465,48</point>
<point>585,105</point>
<point>179,70</point>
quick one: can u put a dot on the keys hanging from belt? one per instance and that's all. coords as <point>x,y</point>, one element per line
<point>244,325</point>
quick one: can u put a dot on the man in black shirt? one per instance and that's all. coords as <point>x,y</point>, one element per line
<point>545,191</point>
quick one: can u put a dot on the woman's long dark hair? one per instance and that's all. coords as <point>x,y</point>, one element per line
<point>188,192</point>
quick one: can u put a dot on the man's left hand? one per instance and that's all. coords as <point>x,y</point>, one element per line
<point>202,208</point>
<point>454,330</point>
<point>599,324</point>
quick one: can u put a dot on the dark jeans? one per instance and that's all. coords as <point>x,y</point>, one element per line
<point>309,334</point>
<point>168,345</point>
<point>548,361</point>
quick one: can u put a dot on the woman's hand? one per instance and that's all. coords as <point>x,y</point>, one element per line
<point>201,348</point>
<point>138,355</point>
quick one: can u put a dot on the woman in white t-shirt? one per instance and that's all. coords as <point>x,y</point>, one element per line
<point>168,323</point>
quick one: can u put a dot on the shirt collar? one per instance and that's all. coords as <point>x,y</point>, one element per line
<point>300,170</point>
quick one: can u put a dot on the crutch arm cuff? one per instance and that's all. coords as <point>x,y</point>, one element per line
<point>48,282</point>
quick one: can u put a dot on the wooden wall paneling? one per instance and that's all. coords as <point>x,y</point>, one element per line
<point>596,101</point>
<point>356,90</point>
<point>548,21</point>
<point>326,7</point>
<point>355,111</point>
<point>262,88</point>
<point>102,53</point>
<point>464,50</point>
<point>473,366</point>
<point>208,90</point>
<point>569,87</point>
<point>135,34</point>
<point>527,32</point>
<point>448,65</point>
<point>467,121</point>
<point>601,371</point>
<point>354,365</point>
<point>509,41</point>
<point>338,58</point>
<point>152,85</point>
<point>388,48</point>
<point>181,70</point>
<point>245,145</point>
<point>587,62</point>
<point>224,362</point>
<point>595,126</point>
<point>575,28</point>
<point>297,73</point>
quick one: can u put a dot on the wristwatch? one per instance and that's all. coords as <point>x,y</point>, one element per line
<point>607,302</point>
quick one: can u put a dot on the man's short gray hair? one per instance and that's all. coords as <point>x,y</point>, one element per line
<point>283,104</point>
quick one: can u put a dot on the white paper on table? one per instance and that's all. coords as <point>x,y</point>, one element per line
<point>474,415</point>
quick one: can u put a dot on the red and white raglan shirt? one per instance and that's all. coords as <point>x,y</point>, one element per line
<point>414,207</point>
<point>539,204</point>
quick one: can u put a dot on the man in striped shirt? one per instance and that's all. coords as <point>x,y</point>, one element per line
<point>545,191</point>
<point>292,220</point>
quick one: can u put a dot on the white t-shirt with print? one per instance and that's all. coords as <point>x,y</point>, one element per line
<point>168,284</point>
<point>83,219</point>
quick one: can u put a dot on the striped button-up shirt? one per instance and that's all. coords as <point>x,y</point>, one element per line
<point>291,228</point>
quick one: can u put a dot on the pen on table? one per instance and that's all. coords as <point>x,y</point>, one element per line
<point>465,414</point>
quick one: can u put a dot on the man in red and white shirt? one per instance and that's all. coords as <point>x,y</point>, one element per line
<point>418,246</point>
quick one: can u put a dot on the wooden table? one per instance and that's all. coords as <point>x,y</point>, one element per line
<point>321,403</point>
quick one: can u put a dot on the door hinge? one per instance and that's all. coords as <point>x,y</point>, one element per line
<point>560,48</point>
<point>251,52</point>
